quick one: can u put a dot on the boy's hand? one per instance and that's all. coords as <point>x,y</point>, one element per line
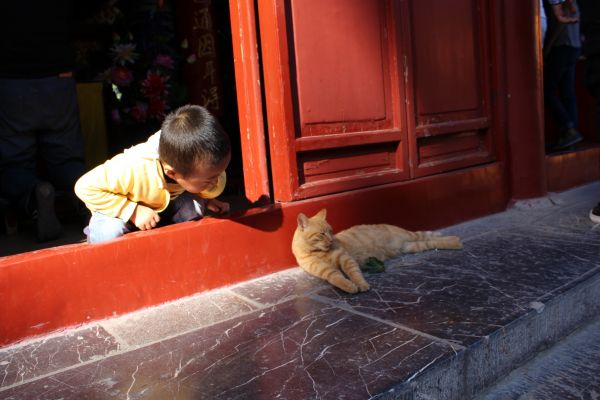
<point>144,217</point>
<point>216,206</point>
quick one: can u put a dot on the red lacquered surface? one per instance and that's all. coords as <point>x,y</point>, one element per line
<point>573,169</point>
<point>524,100</point>
<point>360,92</point>
<point>55,288</point>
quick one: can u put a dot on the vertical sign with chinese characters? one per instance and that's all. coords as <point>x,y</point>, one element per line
<point>197,33</point>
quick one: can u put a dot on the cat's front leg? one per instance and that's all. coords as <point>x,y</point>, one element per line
<point>331,274</point>
<point>337,279</point>
<point>352,270</point>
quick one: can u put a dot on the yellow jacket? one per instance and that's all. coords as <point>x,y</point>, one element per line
<point>134,176</point>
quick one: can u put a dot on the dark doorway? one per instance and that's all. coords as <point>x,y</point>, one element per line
<point>181,51</point>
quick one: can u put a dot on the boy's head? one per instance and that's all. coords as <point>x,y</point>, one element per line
<point>193,148</point>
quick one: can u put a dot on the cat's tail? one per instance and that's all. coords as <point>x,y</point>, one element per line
<point>430,241</point>
<point>425,235</point>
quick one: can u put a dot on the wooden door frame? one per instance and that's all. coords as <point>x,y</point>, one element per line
<point>250,102</point>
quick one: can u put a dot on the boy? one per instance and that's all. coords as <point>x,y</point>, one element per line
<point>173,176</point>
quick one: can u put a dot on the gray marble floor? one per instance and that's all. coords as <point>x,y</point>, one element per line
<point>568,371</point>
<point>292,336</point>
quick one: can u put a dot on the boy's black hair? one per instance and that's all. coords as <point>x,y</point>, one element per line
<point>190,135</point>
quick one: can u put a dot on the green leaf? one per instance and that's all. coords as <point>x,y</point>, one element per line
<point>373,265</point>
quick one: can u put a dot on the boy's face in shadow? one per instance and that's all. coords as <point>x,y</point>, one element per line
<point>204,177</point>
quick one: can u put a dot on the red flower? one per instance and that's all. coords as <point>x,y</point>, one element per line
<point>121,76</point>
<point>155,86</point>
<point>139,112</point>
<point>157,109</point>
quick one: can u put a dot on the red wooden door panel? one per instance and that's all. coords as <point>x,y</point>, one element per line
<point>364,92</point>
<point>333,95</point>
<point>449,80</point>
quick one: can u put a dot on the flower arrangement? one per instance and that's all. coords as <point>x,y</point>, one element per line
<point>141,76</point>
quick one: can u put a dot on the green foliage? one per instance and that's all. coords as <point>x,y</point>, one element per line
<point>373,265</point>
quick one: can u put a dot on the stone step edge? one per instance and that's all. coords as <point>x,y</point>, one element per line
<point>482,364</point>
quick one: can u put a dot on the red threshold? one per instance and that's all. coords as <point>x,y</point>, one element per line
<point>565,171</point>
<point>65,286</point>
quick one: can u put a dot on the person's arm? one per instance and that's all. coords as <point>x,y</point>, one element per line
<point>104,189</point>
<point>563,9</point>
<point>144,217</point>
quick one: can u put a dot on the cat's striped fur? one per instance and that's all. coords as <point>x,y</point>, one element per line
<point>336,258</point>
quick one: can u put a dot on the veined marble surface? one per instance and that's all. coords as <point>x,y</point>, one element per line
<point>292,336</point>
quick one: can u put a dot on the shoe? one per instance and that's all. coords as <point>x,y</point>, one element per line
<point>595,214</point>
<point>567,140</point>
<point>48,226</point>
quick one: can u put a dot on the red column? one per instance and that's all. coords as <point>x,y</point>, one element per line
<point>524,99</point>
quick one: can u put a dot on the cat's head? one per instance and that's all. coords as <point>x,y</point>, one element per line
<point>314,233</point>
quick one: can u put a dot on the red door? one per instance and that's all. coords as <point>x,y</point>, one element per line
<point>448,55</point>
<point>365,92</point>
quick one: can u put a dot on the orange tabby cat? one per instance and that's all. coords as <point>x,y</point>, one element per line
<point>325,255</point>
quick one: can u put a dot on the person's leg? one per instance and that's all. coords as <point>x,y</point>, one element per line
<point>103,228</point>
<point>569,133</point>
<point>18,148</point>
<point>561,98</point>
<point>60,138</point>
<point>48,225</point>
<point>567,85</point>
<point>592,82</point>
<point>186,207</point>
<point>554,69</point>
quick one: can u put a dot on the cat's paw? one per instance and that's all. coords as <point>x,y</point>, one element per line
<point>349,287</point>
<point>363,287</point>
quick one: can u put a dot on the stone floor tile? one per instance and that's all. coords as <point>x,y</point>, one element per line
<point>29,360</point>
<point>177,317</point>
<point>464,295</point>
<point>44,389</point>
<point>279,287</point>
<point>297,350</point>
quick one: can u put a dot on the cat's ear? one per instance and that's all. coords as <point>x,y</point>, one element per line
<point>302,221</point>
<point>322,214</point>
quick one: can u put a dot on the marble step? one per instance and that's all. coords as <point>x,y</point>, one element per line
<point>437,325</point>
<point>508,350</point>
<point>568,370</point>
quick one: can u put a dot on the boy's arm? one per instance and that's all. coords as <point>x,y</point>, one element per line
<point>104,189</point>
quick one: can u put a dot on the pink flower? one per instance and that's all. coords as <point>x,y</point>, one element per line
<point>165,61</point>
<point>139,112</point>
<point>155,86</point>
<point>121,76</point>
